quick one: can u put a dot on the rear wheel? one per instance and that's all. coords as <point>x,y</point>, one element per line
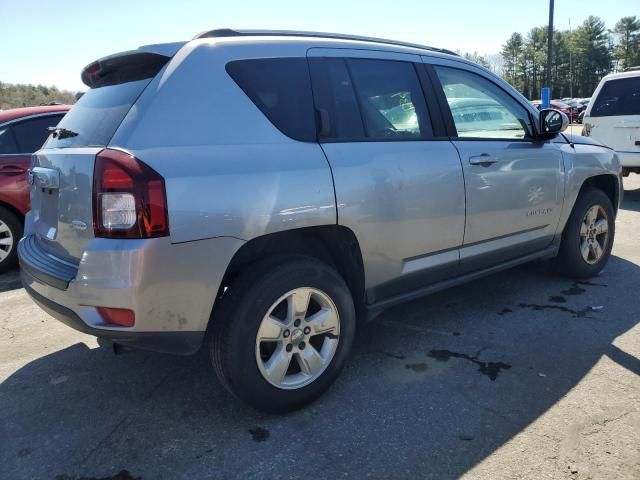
<point>588,236</point>
<point>282,333</point>
<point>10,234</point>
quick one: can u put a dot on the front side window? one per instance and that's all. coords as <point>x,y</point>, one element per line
<point>7,141</point>
<point>618,97</point>
<point>31,134</point>
<point>281,89</point>
<point>481,109</point>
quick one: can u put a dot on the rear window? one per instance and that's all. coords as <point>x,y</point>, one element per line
<point>618,97</point>
<point>281,89</point>
<point>98,113</point>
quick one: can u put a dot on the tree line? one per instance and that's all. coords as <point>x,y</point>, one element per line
<point>581,57</point>
<point>19,95</point>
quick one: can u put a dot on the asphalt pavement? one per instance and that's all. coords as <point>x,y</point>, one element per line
<point>523,374</point>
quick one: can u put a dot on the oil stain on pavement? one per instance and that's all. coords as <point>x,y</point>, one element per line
<point>259,434</point>
<point>121,475</point>
<point>490,369</point>
<point>576,313</point>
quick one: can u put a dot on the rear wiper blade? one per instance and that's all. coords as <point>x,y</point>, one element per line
<point>61,132</point>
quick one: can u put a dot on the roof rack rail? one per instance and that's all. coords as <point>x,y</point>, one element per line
<point>228,32</point>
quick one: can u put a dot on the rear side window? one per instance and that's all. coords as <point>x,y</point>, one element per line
<point>98,114</point>
<point>281,89</point>
<point>337,107</point>
<point>390,98</point>
<point>618,97</point>
<point>7,141</point>
<point>363,99</point>
<point>31,134</point>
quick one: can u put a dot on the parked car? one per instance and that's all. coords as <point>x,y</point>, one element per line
<point>203,194</point>
<point>613,117</point>
<point>22,132</point>
<point>556,105</point>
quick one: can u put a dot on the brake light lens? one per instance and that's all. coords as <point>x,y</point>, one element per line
<point>129,198</point>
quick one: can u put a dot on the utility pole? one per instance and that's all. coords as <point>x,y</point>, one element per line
<point>546,91</point>
<point>570,63</point>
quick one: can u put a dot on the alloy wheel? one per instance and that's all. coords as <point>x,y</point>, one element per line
<point>6,240</point>
<point>594,234</point>
<point>297,338</point>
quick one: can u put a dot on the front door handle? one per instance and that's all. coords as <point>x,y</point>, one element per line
<point>485,160</point>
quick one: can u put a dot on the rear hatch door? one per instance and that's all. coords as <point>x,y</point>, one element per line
<point>61,176</point>
<point>614,117</point>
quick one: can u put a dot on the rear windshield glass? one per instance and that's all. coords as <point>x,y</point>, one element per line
<point>618,97</point>
<point>97,115</point>
<point>281,89</point>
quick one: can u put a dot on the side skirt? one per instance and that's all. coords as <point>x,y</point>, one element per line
<point>377,308</point>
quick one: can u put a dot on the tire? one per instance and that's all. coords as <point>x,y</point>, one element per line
<point>570,260</point>
<point>241,361</point>
<point>10,234</point>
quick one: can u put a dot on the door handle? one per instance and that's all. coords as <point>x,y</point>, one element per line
<point>12,170</point>
<point>485,160</point>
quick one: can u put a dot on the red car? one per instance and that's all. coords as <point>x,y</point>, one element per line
<point>557,105</point>
<point>22,132</point>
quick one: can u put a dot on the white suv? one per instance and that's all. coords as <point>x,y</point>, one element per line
<point>613,117</point>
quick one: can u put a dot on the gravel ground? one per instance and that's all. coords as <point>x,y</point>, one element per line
<point>520,375</point>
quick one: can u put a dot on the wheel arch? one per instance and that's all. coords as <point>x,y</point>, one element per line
<point>608,183</point>
<point>335,245</point>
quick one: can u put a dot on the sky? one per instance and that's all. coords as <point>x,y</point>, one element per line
<point>49,42</point>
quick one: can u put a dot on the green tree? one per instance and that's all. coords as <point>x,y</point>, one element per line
<point>512,52</point>
<point>592,53</point>
<point>477,58</point>
<point>13,96</point>
<point>627,52</point>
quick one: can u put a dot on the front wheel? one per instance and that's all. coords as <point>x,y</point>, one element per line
<point>282,333</point>
<point>588,236</point>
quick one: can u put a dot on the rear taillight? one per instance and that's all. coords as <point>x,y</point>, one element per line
<point>129,198</point>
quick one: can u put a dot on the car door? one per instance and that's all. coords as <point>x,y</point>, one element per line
<point>399,186</point>
<point>513,182</point>
<point>18,140</point>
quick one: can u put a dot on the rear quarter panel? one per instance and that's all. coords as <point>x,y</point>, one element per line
<point>228,170</point>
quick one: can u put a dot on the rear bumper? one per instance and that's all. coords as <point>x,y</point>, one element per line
<point>171,288</point>
<point>180,343</point>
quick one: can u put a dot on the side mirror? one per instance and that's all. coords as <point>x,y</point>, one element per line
<point>552,122</point>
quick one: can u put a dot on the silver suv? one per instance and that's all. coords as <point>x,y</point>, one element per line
<point>255,193</point>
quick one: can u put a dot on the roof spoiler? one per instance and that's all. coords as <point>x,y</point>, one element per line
<point>145,62</point>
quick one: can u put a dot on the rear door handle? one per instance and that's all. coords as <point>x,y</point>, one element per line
<point>485,160</point>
